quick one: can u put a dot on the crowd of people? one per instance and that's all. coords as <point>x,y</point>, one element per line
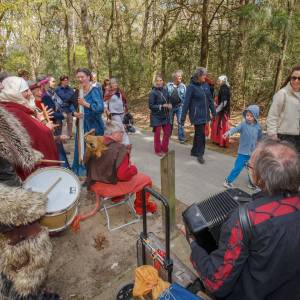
<point>32,119</point>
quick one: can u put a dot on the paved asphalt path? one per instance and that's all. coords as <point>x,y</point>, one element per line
<point>194,182</point>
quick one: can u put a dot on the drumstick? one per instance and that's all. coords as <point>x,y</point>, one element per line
<point>46,116</point>
<point>52,186</point>
<point>51,161</point>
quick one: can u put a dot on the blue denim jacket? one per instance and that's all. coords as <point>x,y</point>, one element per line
<point>181,88</point>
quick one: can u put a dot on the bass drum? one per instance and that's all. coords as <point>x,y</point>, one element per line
<point>62,187</point>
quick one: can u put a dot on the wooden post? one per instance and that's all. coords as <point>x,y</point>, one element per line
<point>167,172</point>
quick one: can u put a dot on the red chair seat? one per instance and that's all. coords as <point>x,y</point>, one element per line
<point>136,184</point>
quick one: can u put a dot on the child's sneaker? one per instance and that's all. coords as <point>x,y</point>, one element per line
<point>251,186</point>
<point>227,184</point>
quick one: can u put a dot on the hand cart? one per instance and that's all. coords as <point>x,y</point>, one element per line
<point>151,251</point>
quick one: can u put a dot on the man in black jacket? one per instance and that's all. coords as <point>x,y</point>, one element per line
<point>266,265</point>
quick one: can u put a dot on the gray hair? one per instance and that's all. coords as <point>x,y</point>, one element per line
<point>277,167</point>
<point>114,80</point>
<point>177,73</point>
<point>199,72</point>
<point>113,126</point>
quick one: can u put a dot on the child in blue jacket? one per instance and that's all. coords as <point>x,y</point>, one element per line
<point>250,132</point>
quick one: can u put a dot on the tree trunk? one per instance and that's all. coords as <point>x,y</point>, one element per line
<point>120,41</point>
<point>238,83</point>
<point>86,32</point>
<point>163,60</point>
<point>107,39</point>
<point>284,44</point>
<point>145,24</point>
<point>204,35</point>
<point>68,38</point>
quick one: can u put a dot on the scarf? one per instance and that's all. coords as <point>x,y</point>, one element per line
<point>58,102</point>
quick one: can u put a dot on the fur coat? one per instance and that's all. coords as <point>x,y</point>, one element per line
<point>23,266</point>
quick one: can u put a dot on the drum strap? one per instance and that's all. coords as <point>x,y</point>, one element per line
<point>18,234</point>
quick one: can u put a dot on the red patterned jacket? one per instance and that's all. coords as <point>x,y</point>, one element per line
<point>265,268</point>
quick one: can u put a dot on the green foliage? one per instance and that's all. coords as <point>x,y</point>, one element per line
<point>17,59</point>
<point>245,41</point>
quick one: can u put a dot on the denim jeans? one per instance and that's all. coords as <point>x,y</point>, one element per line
<point>177,111</point>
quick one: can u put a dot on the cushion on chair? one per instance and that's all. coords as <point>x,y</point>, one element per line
<point>136,184</point>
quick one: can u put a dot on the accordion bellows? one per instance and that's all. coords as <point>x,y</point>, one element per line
<point>204,219</point>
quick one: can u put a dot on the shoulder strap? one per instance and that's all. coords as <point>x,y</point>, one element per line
<point>246,225</point>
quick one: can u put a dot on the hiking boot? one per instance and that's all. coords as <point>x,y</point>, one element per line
<point>201,160</point>
<point>227,184</point>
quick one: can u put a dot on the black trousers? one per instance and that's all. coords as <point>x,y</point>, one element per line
<point>293,139</point>
<point>199,140</point>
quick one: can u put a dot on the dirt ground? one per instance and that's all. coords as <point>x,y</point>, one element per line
<point>94,263</point>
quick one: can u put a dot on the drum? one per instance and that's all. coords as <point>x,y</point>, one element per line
<point>62,187</point>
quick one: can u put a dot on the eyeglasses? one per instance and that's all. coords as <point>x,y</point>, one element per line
<point>294,78</point>
<point>248,166</point>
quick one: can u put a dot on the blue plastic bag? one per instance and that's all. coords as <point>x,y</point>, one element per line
<point>177,292</point>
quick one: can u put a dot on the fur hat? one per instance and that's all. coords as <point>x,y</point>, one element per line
<point>15,144</point>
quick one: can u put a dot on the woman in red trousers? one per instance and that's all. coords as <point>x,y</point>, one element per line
<point>220,124</point>
<point>160,116</point>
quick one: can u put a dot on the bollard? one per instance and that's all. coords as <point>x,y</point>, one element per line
<point>167,173</point>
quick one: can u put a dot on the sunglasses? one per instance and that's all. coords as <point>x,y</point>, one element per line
<point>294,78</point>
<point>248,166</point>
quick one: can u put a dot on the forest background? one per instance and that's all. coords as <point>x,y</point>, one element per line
<point>253,42</point>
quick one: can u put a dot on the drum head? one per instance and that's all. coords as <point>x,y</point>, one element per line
<point>64,193</point>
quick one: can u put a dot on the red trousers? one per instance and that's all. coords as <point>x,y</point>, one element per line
<point>218,127</point>
<point>162,145</point>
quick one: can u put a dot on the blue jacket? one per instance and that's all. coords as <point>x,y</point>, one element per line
<point>67,95</point>
<point>199,103</point>
<point>159,115</point>
<point>249,133</point>
<point>92,115</point>
<point>49,102</point>
<point>181,88</point>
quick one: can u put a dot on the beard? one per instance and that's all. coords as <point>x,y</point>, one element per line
<point>31,102</point>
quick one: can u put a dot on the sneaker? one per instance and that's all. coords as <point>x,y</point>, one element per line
<point>251,186</point>
<point>181,141</point>
<point>227,184</point>
<point>201,160</point>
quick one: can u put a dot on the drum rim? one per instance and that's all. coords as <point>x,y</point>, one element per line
<point>68,171</point>
<point>65,226</point>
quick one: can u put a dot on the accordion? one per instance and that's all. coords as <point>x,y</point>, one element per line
<point>203,220</point>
